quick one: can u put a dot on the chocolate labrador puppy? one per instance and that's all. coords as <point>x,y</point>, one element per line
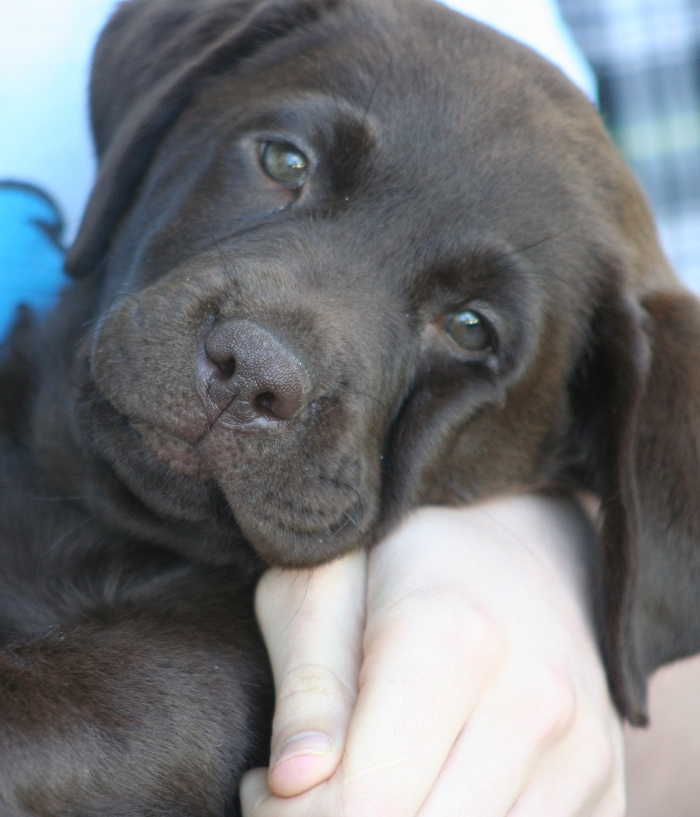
<point>343,258</point>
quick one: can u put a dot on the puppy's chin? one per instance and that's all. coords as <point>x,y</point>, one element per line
<point>294,546</point>
<point>302,546</point>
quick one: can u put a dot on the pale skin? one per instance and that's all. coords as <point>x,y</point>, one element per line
<point>663,760</point>
<point>451,672</point>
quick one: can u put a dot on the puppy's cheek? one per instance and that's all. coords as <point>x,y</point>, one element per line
<point>144,359</point>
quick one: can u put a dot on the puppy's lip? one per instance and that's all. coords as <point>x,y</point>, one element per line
<point>241,421</point>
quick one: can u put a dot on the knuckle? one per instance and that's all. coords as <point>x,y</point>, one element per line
<point>600,763</point>
<point>553,708</point>
<point>601,759</point>
<point>471,634</point>
<point>486,638</point>
<point>453,622</point>
<point>311,681</point>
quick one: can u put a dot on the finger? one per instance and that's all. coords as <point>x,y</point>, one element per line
<point>258,801</point>
<point>409,711</point>
<point>253,791</point>
<point>500,748</point>
<point>312,623</point>
<point>593,785</point>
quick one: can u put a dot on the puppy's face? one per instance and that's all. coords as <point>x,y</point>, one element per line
<point>358,275</point>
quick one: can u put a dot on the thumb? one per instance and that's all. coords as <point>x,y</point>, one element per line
<point>313,623</point>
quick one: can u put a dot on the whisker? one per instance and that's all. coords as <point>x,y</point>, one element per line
<point>325,524</point>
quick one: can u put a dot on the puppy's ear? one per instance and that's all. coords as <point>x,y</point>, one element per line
<point>637,398</point>
<point>149,61</point>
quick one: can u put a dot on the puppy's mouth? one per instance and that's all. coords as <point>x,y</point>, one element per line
<point>330,507</point>
<point>299,495</point>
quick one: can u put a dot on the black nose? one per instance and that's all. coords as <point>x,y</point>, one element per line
<point>251,374</point>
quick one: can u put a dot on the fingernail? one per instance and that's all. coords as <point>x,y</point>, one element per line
<point>314,744</point>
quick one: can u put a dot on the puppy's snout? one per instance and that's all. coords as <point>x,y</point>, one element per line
<point>252,374</point>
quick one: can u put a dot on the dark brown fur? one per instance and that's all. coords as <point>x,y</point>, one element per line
<point>451,169</point>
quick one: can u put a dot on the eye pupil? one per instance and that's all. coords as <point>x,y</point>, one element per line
<point>284,164</point>
<point>469,330</point>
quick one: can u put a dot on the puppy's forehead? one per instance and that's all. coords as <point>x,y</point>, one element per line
<point>448,133</point>
<point>419,57</point>
<point>465,126</point>
<point>445,100</point>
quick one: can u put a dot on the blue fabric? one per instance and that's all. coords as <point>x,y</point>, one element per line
<point>31,255</point>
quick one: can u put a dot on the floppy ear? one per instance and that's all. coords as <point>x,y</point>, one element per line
<point>148,64</point>
<point>637,399</point>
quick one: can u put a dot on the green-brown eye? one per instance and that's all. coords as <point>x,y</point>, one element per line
<point>284,164</point>
<point>469,330</point>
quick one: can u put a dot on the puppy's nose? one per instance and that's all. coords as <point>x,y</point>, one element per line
<point>251,374</point>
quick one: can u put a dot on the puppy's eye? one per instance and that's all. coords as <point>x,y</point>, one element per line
<point>284,164</point>
<point>469,330</point>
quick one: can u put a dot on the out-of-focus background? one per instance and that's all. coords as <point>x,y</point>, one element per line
<point>45,48</point>
<point>646,58</point>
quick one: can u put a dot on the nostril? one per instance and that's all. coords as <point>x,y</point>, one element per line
<point>250,373</point>
<point>264,403</point>
<point>226,368</point>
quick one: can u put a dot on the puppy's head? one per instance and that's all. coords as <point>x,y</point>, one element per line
<point>347,258</point>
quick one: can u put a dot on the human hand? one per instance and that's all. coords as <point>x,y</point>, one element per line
<point>473,686</point>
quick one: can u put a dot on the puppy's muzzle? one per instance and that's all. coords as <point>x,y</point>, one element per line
<point>250,377</point>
